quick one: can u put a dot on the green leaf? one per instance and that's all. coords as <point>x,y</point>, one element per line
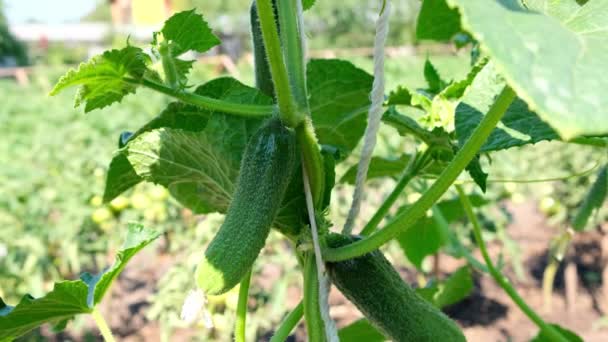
<point>432,77</point>
<point>561,78</point>
<point>361,330</point>
<point>121,177</point>
<point>569,335</point>
<point>477,173</point>
<point>400,96</point>
<point>67,299</point>
<point>101,79</point>
<point>70,298</point>
<point>307,4</point>
<point>426,237</point>
<point>519,126</point>
<point>137,238</point>
<point>339,100</point>
<point>593,201</point>
<point>379,167</point>
<point>455,288</point>
<point>437,21</point>
<point>186,31</point>
<point>216,141</point>
<point>421,240</point>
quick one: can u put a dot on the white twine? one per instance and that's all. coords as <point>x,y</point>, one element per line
<point>374,116</point>
<point>331,332</point>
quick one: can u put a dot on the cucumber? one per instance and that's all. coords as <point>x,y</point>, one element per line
<point>266,169</point>
<point>374,286</point>
<point>263,78</point>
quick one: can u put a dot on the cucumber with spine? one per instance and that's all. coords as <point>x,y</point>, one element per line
<point>374,286</point>
<point>265,172</point>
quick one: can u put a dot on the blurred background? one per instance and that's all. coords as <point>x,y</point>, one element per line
<point>53,162</point>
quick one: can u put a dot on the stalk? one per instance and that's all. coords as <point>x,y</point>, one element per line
<point>549,330</point>
<point>241,309</point>
<point>278,69</point>
<point>410,172</point>
<point>410,216</point>
<point>288,324</point>
<point>105,331</point>
<point>246,110</point>
<point>292,40</point>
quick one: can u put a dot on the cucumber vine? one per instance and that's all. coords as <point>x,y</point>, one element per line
<point>265,156</point>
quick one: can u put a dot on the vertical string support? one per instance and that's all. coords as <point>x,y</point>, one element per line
<point>374,115</point>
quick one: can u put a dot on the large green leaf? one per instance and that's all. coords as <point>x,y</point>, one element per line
<point>560,77</point>
<point>339,100</point>
<point>594,200</point>
<point>519,126</point>
<point>437,21</point>
<point>101,79</point>
<point>70,298</point>
<point>193,152</point>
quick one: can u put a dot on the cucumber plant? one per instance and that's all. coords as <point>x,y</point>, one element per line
<point>266,156</point>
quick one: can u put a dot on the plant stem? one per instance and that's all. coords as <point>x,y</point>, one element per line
<point>292,40</point>
<point>548,279</point>
<point>246,110</point>
<point>277,65</point>
<point>315,326</point>
<point>410,216</point>
<point>105,331</point>
<point>547,329</point>
<point>410,172</point>
<point>241,309</point>
<point>462,250</point>
<point>288,324</point>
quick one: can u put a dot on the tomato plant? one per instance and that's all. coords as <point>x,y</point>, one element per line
<point>266,156</point>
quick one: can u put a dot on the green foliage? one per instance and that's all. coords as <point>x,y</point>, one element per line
<point>101,80</point>
<point>437,21</point>
<point>11,50</point>
<point>556,77</point>
<point>214,152</point>
<point>360,330</point>
<point>426,237</point>
<point>338,101</point>
<point>519,126</point>
<point>455,288</point>
<point>70,298</point>
<point>199,165</point>
<point>593,201</point>
<point>569,335</point>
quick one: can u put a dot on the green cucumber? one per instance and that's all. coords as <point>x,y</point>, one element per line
<point>263,78</point>
<point>374,286</point>
<point>266,170</point>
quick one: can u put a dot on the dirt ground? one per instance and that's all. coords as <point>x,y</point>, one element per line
<point>487,315</point>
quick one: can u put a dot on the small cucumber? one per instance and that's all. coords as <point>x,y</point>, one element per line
<point>266,169</point>
<point>373,285</point>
